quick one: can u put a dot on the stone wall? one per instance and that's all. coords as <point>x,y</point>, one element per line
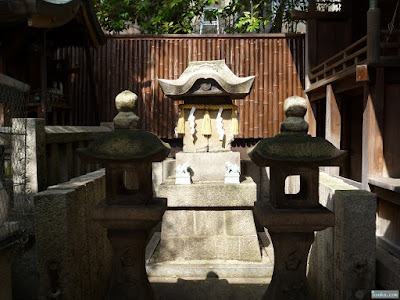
<point>73,252</point>
<point>342,259</point>
<point>49,159</point>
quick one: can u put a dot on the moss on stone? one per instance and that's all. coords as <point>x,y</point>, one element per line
<point>126,145</point>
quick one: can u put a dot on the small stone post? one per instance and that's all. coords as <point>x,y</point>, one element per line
<point>291,219</point>
<point>129,210</point>
<point>28,159</point>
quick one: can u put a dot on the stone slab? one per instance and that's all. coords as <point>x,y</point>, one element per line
<point>211,194</point>
<point>208,166</point>
<point>208,235</point>
<point>342,258</point>
<point>199,269</point>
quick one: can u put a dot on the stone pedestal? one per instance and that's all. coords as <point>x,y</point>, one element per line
<point>127,228</point>
<point>292,233</point>
<point>214,222</point>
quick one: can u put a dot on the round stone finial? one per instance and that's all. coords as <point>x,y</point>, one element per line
<point>126,118</point>
<point>295,106</point>
<point>125,101</point>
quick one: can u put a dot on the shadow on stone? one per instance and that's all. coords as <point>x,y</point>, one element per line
<point>212,287</point>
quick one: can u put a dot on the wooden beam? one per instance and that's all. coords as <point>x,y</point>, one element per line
<point>372,131</point>
<point>333,123</point>
<point>310,118</point>
<point>362,73</point>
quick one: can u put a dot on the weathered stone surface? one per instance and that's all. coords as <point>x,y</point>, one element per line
<point>178,223</point>
<point>228,246</point>
<point>239,223</point>
<point>126,118</point>
<point>200,269</point>
<point>249,248</point>
<point>3,205</point>
<point>342,259</point>
<point>210,248</point>
<point>209,223</point>
<point>200,164</point>
<point>209,235</point>
<point>212,194</point>
<point>69,241</point>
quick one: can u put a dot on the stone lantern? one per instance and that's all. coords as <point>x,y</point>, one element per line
<point>129,210</point>
<point>291,219</point>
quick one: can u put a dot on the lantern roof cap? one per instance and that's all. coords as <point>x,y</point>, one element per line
<point>126,145</point>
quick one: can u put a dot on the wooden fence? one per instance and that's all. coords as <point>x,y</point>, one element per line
<point>135,63</point>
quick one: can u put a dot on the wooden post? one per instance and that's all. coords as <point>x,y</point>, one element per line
<point>372,131</point>
<point>333,123</point>
<point>43,77</point>
<point>93,87</point>
<point>373,33</point>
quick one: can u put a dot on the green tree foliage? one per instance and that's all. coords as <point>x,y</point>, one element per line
<point>176,16</point>
<point>152,16</point>
<point>255,15</point>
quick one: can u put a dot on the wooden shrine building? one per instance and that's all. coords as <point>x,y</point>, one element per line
<point>30,33</point>
<point>353,84</point>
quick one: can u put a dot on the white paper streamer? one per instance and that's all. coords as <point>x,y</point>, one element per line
<point>191,121</point>
<point>220,125</point>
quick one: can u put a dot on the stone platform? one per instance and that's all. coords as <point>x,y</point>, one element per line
<point>197,269</point>
<point>202,163</point>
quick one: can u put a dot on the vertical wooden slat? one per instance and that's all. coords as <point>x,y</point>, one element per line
<point>165,103</point>
<point>280,80</point>
<point>258,89</point>
<point>251,55</point>
<point>265,89</point>
<point>275,89</point>
<point>290,69</point>
<point>284,74</point>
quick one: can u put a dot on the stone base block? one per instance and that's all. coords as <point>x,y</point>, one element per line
<point>209,235</point>
<point>211,194</point>
<point>208,166</point>
<point>201,269</point>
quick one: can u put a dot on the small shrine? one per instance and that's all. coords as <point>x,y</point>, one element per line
<point>291,219</point>
<point>129,210</point>
<point>210,204</point>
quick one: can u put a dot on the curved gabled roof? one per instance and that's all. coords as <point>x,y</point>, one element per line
<point>217,70</point>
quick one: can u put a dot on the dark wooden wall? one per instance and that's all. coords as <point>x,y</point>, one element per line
<point>136,62</point>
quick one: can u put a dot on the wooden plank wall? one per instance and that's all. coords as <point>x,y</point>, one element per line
<point>135,63</point>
